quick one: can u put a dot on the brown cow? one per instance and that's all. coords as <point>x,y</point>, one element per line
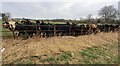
<point>92,28</point>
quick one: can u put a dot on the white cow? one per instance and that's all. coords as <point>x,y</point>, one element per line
<point>11,25</point>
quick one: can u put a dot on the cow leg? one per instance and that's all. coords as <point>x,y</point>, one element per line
<point>43,34</point>
<point>25,35</point>
<point>19,34</point>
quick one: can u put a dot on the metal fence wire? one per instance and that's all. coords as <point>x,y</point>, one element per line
<point>53,30</point>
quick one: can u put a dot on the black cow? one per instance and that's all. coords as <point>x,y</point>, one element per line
<point>17,28</point>
<point>30,28</point>
<point>24,28</point>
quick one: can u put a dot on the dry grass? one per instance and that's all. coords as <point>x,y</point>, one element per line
<point>19,49</point>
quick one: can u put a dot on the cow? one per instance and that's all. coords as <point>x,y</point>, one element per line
<point>83,29</point>
<point>24,28</point>
<point>11,25</point>
<point>62,29</point>
<point>90,28</point>
<point>30,28</point>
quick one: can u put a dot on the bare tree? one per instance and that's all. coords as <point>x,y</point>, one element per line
<point>89,17</point>
<point>108,13</point>
<point>5,16</point>
<point>119,10</point>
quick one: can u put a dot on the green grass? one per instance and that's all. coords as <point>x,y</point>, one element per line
<point>93,55</point>
<point>23,62</point>
<point>50,59</point>
<point>27,62</point>
<point>99,55</point>
<point>88,54</point>
<point>4,31</point>
<point>63,57</point>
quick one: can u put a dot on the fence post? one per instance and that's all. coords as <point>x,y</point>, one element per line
<point>13,34</point>
<point>54,30</point>
<point>69,30</point>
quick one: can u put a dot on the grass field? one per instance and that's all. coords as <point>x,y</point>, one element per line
<point>101,48</point>
<point>4,32</point>
<point>56,22</point>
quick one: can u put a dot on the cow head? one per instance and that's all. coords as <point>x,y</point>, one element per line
<point>6,25</point>
<point>10,25</point>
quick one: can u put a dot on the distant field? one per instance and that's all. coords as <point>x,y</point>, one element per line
<point>56,22</point>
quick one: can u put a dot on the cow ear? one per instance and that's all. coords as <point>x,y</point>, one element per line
<point>6,23</point>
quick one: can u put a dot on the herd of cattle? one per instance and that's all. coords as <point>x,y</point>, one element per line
<point>46,29</point>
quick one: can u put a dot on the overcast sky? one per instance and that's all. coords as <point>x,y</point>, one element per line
<point>55,9</point>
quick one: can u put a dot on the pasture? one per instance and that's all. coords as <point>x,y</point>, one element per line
<point>4,32</point>
<point>101,48</point>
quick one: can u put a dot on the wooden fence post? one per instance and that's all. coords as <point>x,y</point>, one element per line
<point>54,30</point>
<point>69,30</point>
<point>13,34</point>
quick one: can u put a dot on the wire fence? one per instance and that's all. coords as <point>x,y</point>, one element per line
<point>49,30</point>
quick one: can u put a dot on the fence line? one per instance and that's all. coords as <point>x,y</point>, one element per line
<point>54,30</point>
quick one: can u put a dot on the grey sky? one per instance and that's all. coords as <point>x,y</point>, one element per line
<point>119,9</point>
<point>55,9</point>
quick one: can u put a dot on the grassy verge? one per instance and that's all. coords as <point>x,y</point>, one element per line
<point>100,55</point>
<point>62,58</point>
<point>106,54</point>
